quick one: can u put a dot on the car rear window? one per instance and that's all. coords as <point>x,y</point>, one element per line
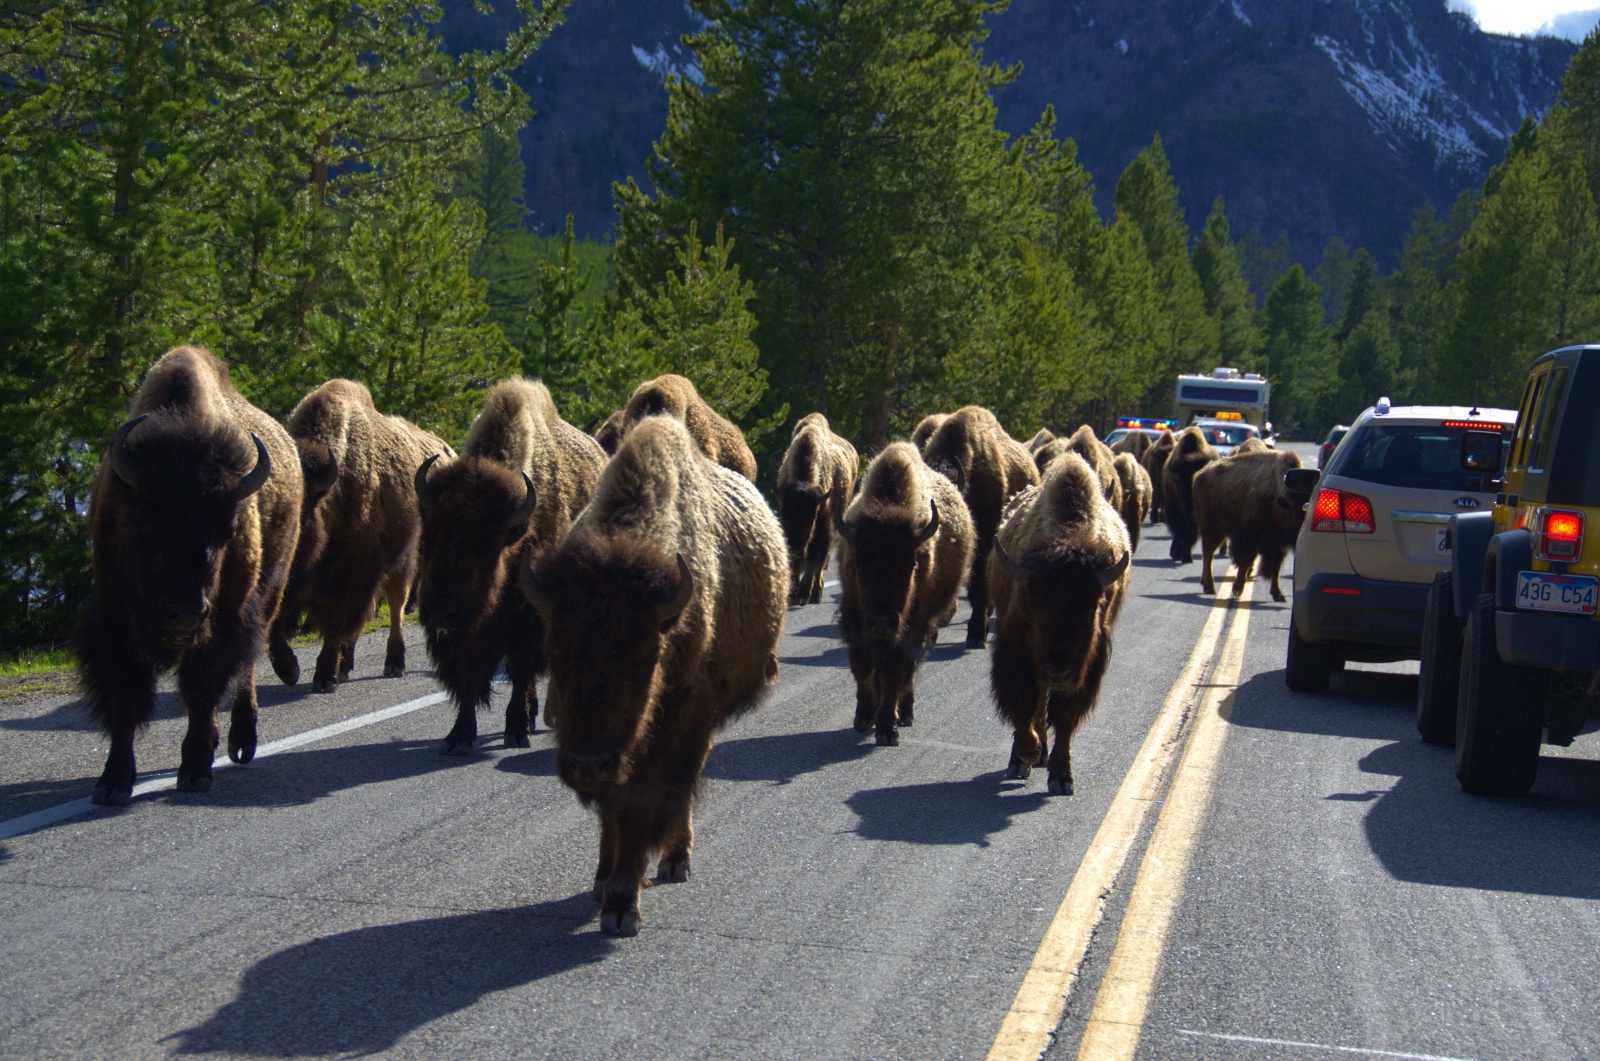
<point>1227,435</point>
<point>1410,456</point>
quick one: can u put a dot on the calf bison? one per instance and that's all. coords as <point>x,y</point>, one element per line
<point>1155,463</point>
<point>193,519</point>
<point>664,605</point>
<point>988,466</point>
<point>815,482</point>
<point>1189,454</point>
<point>1241,499</point>
<point>1060,572</point>
<point>1135,494</point>
<point>905,545</point>
<point>719,439</point>
<point>358,528</point>
<point>522,476</point>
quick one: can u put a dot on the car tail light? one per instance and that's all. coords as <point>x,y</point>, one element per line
<point>1341,512</point>
<point>1558,535</point>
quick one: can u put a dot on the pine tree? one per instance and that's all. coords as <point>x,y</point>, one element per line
<point>1298,359</point>
<point>1228,299</point>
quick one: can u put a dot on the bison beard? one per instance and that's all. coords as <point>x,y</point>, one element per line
<point>193,524</point>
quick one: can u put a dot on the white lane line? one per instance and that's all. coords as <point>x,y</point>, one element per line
<point>830,585</point>
<point>1369,1051</point>
<point>165,782</point>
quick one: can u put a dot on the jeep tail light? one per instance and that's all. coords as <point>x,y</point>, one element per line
<point>1341,512</point>
<point>1558,535</point>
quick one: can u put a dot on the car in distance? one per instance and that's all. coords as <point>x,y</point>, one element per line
<point>1143,425</point>
<point>1331,443</point>
<point>1375,533</point>
<point>1226,434</point>
<point>1511,649</point>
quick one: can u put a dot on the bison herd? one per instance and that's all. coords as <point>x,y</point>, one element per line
<point>640,568</point>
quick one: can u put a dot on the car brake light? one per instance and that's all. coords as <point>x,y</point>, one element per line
<point>1559,535</point>
<point>1342,512</point>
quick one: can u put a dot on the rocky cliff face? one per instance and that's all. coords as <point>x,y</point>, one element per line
<point>1313,118</point>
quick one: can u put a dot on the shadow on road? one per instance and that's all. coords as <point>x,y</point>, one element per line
<point>783,757</point>
<point>946,812</point>
<point>361,992</point>
<point>1424,829</point>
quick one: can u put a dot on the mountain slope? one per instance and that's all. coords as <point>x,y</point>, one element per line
<point>1313,118</point>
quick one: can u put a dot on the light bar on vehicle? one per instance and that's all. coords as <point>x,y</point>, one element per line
<point>1228,416</point>
<point>1475,425</point>
<point>1145,421</point>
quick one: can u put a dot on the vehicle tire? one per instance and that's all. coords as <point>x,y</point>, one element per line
<point>1500,719</point>
<point>1309,666</point>
<point>1439,677</point>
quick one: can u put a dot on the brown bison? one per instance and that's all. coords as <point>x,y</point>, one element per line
<point>905,545</point>
<point>1086,444</point>
<point>1133,443</point>
<point>815,482</point>
<point>522,476</point>
<point>1253,444</point>
<point>358,528</point>
<point>1155,463</point>
<point>193,518</point>
<point>719,439</point>
<point>988,466</point>
<point>1241,500</point>
<point>1135,494</point>
<point>1060,572</point>
<point>664,606</point>
<point>609,434</point>
<point>1189,454</point>
<point>1041,438</point>
<point>926,427</point>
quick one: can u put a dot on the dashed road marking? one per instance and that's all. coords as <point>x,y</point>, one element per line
<point>1364,1050</point>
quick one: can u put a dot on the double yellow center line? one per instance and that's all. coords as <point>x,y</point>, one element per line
<point>1114,1024</point>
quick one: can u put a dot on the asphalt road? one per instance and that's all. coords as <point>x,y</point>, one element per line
<point>361,894</point>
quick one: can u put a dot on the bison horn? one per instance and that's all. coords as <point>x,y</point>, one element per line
<point>121,459</point>
<point>847,532</point>
<point>256,477</point>
<point>424,493</point>
<point>524,511</point>
<point>961,474</point>
<point>674,607</point>
<point>932,527</point>
<point>1110,574</point>
<point>1018,571</point>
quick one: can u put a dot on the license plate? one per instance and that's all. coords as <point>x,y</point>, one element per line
<point>1441,541</point>
<point>1544,592</point>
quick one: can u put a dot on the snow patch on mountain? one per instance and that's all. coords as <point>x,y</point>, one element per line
<point>663,63</point>
<point>1411,102</point>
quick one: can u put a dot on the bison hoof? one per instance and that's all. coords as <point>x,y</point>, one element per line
<point>1277,595</point>
<point>323,685</point>
<point>673,870</point>
<point>241,753</point>
<point>188,782</point>
<point>1061,786</point>
<point>394,670</point>
<point>619,922</point>
<point>1020,771</point>
<point>889,738</point>
<point>517,740</point>
<point>112,794</point>
<point>866,719</point>
<point>454,745</point>
<point>978,640</point>
<point>287,669</point>
<point>907,719</point>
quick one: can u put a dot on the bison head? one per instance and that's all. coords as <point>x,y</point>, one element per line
<point>610,606</point>
<point>1068,590</point>
<point>181,486</point>
<point>476,515</point>
<point>887,557</point>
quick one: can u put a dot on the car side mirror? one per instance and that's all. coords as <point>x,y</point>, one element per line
<point>1480,451</point>
<point>1300,483</point>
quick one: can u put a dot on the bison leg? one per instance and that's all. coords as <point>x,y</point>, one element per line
<point>120,691</point>
<point>323,679</point>
<point>1208,546</point>
<point>396,590</point>
<point>1066,711</point>
<point>908,705</point>
<point>1271,565</point>
<point>866,699</point>
<point>203,676</point>
<point>285,664</point>
<point>608,851</point>
<point>463,736</point>
<point>242,720</point>
<point>521,708</point>
<point>347,658</point>
<point>675,848</point>
<point>978,596</point>
<point>1015,686</point>
<point>619,906</point>
<point>898,674</point>
<point>115,787</point>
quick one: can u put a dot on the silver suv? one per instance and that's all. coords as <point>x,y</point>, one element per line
<point>1375,534</point>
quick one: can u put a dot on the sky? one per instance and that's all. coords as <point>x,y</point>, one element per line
<point>1528,16</point>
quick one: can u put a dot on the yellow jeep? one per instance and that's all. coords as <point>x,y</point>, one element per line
<point>1511,635</point>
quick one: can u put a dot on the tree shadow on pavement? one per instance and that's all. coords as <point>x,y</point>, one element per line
<point>361,992</point>
<point>947,812</point>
